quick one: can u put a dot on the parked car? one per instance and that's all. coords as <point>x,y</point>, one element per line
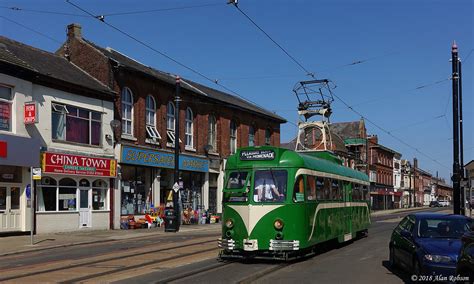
<point>435,204</point>
<point>465,266</point>
<point>444,203</point>
<point>428,243</point>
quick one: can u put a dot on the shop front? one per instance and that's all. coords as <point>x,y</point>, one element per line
<point>17,155</point>
<point>74,192</point>
<point>147,178</point>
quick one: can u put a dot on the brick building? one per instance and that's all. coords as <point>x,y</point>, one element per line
<point>381,166</point>
<point>213,124</point>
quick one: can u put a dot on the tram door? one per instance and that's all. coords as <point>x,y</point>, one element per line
<point>347,210</point>
<point>10,208</point>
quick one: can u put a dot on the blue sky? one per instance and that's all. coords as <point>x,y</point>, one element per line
<point>404,45</point>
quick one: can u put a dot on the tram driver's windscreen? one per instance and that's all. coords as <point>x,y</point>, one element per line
<point>270,186</point>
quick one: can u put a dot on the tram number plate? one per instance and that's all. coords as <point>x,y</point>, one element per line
<point>250,245</point>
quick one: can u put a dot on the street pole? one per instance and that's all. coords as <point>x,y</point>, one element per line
<point>177,99</point>
<point>463,190</point>
<point>410,189</point>
<point>32,205</point>
<point>456,175</point>
<point>415,164</point>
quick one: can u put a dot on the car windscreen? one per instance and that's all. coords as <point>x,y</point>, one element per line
<point>443,227</point>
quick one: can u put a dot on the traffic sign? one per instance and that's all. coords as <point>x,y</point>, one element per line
<point>176,187</point>
<point>36,172</point>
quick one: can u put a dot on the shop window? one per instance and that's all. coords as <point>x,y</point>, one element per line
<point>3,198</point>
<point>99,195</point>
<point>189,129</point>
<point>233,137</point>
<point>47,194</point>
<point>310,188</point>
<point>127,112</point>
<point>67,194</point>
<point>251,136</point>
<point>6,101</point>
<point>75,124</point>
<point>134,194</point>
<point>212,133</point>
<point>82,183</point>
<point>151,131</point>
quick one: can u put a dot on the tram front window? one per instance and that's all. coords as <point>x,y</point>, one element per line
<point>270,186</point>
<point>236,180</point>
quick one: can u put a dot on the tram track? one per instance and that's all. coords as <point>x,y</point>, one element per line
<point>19,272</point>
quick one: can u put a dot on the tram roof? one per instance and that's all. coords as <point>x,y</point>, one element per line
<point>285,158</point>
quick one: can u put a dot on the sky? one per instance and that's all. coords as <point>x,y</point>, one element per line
<point>401,84</point>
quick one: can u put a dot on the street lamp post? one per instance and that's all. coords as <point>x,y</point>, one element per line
<point>177,99</point>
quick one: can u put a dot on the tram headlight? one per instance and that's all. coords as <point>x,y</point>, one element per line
<point>229,223</point>
<point>278,224</point>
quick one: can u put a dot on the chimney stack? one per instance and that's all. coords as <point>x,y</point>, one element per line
<point>74,30</point>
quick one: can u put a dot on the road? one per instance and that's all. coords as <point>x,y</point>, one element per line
<point>192,258</point>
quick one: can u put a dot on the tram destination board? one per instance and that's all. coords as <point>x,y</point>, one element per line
<point>257,155</point>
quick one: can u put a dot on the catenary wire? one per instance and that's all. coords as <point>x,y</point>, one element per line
<point>30,29</point>
<point>41,11</point>
<point>161,10</point>
<point>102,19</point>
<point>269,37</point>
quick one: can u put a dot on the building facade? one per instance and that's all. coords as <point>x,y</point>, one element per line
<point>56,117</point>
<point>213,124</point>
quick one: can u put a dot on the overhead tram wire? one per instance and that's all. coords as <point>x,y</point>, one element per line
<point>32,30</point>
<point>101,18</point>
<point>308,73</point>
<point>388,132</point>
<point>41,11</point>
<point>162,10</point>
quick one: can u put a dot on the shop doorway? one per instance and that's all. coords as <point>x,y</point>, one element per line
<point>10,213</point>
<point>85,206</point>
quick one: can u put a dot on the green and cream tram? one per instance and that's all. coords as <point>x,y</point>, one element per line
<point>280,203</point>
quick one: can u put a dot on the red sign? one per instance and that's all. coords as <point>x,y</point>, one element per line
<point>3,149</point>
<point>58,163</point>
<point>30,113</point>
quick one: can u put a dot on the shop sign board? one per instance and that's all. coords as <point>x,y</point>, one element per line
<point>3,149</point>
<point>131,155</point>
<point>36,173</point>
<point>30,113</point>
<point>58,163</point>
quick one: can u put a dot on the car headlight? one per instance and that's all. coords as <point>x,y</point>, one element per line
<point>278,224</point>
<point>229,223</point>
<point>437,258</point>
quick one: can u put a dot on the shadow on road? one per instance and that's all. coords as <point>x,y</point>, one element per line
<point>397,272</point>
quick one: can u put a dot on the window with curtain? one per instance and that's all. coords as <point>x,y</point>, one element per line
<point>251,136</point>
<point>233,137</point>
<point>47,194</point>
<point>6,100</point>
<point>151,131</point>
<point>67,195</point>
<point>268,135</point>
<point>127,111</point>
<point>73,124</point>
<point>189,129</point>
<point>212,132</point>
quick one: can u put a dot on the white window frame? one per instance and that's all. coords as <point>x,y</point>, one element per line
<point>11,110</point>
<point>127,104</point>
<point>150,120</point>
<point>189,129</point>
<point>212,132</point>
<point>252,135</point>
<point>233,137</point>
<point>268,139</point>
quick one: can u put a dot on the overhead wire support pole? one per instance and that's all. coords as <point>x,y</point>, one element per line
<point>456,175</point>
<point>235,3</point>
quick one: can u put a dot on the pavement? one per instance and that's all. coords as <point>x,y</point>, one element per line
<point>12,244</point>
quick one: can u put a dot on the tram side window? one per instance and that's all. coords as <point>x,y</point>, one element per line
<point>365,193</point>
<point>319,188</point>
<point>356,192</point>
<point>327,188</point>
<point>298,190</point>
<point>311,188</point>
<point>237,180</point>
<point>335,190</point>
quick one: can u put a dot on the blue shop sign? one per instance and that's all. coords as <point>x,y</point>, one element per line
<point>158,159</point>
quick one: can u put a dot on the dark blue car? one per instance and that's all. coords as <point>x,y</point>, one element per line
<point>428,244</point>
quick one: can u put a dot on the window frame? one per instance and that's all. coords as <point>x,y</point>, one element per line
<point>233,136</point>
<point>251,135</point>
<point>212,132</point>
<point>268,136</point>
<point>124,105</point>
<point>189,129</point>
<point>9,104</point>
<point>150,126</point>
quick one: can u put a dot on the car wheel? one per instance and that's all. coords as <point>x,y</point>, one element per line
<point>392,260</point>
